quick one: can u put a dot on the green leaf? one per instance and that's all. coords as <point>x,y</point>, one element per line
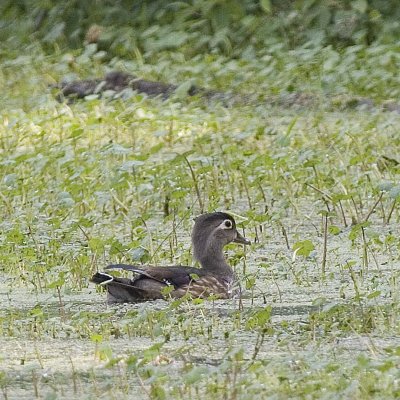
<point>167,290</point>
<point>37,311</point>
<point>96,244</point>
<point>153,351</point>
<point>259,318</point>
<point>96,338</point>
<point>15,236</point>
<point>266,5</point>
<point>356,230</point>
<point>55,33</point>
<point>183,89</point>
<point>334,230</point>
<point>303,248</point>
<point>250,282</point>
<point>138,253</point>
<point>194,277</point>
<point>374,294</point>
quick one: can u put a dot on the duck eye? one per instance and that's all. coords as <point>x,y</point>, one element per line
<point>228,223</point>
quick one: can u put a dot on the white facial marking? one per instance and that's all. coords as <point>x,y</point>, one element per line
<point>109,280</point>
<point>226,224</point>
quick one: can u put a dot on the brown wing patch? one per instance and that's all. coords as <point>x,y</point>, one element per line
<point>204,287</point>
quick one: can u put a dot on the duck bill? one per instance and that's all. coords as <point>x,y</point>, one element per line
<point>241,239</point>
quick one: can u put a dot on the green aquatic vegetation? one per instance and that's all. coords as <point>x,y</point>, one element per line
<point>119,180</point>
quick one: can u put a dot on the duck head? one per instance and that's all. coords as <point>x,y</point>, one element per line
<point>213,231</point>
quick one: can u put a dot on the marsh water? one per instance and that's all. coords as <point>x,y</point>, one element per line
<point>74,345</point>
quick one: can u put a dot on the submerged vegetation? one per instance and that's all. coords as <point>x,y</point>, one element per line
<point>303,149</point>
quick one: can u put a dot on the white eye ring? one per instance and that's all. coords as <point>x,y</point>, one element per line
<point>227,224</point>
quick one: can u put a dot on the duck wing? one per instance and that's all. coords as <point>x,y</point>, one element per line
<point>122,290</point>
<point>150,283</point>
<point>176,276</point>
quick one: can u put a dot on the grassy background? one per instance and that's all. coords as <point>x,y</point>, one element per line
<point>314,187</point>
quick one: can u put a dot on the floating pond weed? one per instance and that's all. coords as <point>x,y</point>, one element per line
<point>119,179</point>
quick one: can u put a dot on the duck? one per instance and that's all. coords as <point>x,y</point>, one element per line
<point>211,233</point>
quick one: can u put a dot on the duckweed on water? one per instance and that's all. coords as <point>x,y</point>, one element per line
<point>103,180</point>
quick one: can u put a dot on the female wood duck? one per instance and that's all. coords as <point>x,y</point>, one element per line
<point>211,232</point>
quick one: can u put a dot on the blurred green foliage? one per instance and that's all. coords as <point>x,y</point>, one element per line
<point>230,27</point>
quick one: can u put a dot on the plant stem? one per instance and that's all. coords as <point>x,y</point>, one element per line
<point>373,207</point>
<point>365,250</point>
<point>325,245</point>
<point>343,214</point>
<point>391,211</point>
<point>284,233</point>
<point>196,186</point>
<point>246,189</point>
